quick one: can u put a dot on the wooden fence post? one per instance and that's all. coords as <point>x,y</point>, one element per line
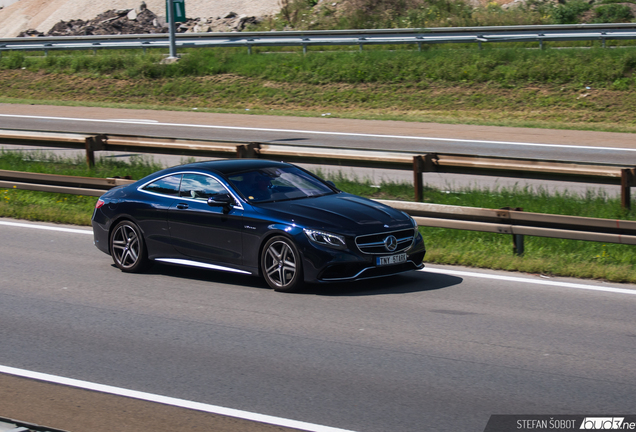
<point>628,179</point>
<point>418,181</point>
<point>94,143</point>
<point>249,151</point>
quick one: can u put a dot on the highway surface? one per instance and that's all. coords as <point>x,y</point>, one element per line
<point>386,135</point>
<point>559,145</point>
<point>440,350</point>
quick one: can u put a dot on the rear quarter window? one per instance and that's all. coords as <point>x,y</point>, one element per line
<point>165,186</point>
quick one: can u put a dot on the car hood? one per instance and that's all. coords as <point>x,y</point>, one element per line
<point>340,213</point>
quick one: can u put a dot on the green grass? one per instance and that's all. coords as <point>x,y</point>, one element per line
<point>46,207</point>
<point>607,68</point>
<point>586,89</point>
<point>581,259</point>
<point>46,162</point>
<point>61,208</point>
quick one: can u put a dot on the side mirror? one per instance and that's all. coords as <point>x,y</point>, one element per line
<point>221,200</point>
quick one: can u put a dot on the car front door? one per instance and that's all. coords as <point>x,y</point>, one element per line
<point>202,232</point>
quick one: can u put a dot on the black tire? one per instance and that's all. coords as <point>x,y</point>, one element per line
<point>127,248</point>
<point>281,264</point>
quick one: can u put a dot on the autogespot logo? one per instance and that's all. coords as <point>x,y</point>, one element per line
<point>390,243</point>
<point>606,423</point>
<point>562,423</point>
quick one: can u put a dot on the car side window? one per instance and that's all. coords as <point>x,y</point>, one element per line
<point>200,187</point>
<point>165,186</point>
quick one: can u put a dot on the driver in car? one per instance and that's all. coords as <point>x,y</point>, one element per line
<point>257,185</point>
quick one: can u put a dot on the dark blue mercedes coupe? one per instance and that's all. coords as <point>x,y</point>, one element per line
<point>257,217</point>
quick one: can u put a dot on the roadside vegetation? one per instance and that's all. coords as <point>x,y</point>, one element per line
<point>576,85</point>
<point>364,14</point>
<point>592,89</point>
<point>612,262</point>
<point>61,208</point>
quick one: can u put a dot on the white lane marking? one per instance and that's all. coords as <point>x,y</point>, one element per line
<point>46,227</point>
<point>181,403</point>
<point>135,121</point>
<point>510,143</point>
<point>426,269</point>
<point>531,281</point>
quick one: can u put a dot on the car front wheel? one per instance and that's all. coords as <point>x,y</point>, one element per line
<point>281,264</point>
<point>127,247</point>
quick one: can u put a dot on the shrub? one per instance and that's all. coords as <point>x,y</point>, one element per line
<point>612,13</point>
<point>569,13</point>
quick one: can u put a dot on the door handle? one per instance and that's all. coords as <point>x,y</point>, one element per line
<point>182,206</point>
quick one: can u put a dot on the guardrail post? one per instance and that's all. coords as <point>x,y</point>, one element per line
<point>305,45</point>
<point>628,179</point>
<point>360,43</point>
<point>418,178</point>
<point>249,151</point>
<point>518,240</point>
<point>518,244</point>
<point>422,164</point>
<point>94,143</point>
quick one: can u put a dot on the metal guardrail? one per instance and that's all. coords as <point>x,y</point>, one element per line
<point>519,223</point>
<point>620,175</point>
<point>88,186</point>
<point>306,39</point>
<point>500,221</point>
<point>599,173</point>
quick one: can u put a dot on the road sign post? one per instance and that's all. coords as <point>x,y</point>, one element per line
<point>175,10</point>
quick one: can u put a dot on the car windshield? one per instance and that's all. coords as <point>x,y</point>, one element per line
<point>278,184</point>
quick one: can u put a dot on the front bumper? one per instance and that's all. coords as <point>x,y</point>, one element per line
<point>324,266</point>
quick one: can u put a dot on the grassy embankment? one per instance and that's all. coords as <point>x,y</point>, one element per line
<point>575,258</point>
<point>566,88</point>
<point>585,87</point>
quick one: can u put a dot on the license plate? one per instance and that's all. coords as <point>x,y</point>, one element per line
<point>393,259</point>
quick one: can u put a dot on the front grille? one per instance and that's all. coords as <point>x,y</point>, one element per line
<point>375,243</point>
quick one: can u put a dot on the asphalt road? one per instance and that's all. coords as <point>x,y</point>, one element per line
<point>559,145</point>
<point>386,135</point>
<point>434,350</point>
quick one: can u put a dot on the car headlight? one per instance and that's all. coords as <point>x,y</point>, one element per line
<point>326,239</point>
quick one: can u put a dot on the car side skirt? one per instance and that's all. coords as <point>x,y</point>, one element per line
<point>190,263</point>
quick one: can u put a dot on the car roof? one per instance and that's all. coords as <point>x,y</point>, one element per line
<point>230,166</point>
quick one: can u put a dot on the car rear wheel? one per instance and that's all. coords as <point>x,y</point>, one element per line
<point>281,264</point>
<point>127,247</point>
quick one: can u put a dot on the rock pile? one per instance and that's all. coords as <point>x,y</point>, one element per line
<point>112,22</point>
<point>230,22</point>
<point>142,21</point>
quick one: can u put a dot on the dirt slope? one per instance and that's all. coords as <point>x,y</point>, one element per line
<point>44,14</point>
